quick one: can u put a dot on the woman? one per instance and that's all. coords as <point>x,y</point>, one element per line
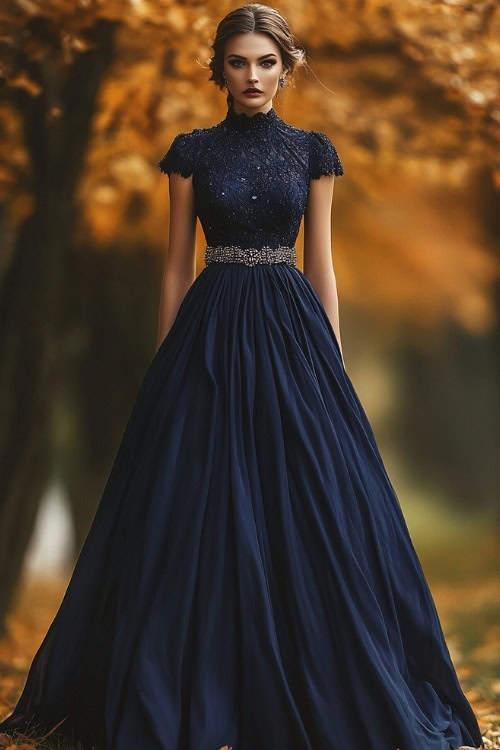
<point>248,579</point>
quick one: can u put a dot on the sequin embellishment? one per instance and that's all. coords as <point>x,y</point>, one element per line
<point>251,177</point>
<point>250,256</point>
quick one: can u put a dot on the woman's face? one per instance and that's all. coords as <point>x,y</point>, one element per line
<point>251,60</point>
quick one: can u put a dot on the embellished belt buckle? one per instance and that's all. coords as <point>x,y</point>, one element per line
<point>252,256</point>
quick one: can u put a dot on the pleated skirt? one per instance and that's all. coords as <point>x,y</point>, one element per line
<point>248,579</point>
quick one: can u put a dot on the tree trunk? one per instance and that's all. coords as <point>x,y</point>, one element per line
<point>32,290</point>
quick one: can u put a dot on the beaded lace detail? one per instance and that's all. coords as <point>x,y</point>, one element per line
<point>257,121</point>
<point>251,177</point>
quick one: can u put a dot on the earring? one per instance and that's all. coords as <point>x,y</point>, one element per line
<point>224,79</point>
<point>281,82</point>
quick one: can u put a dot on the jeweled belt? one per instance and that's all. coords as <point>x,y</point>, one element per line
<point>250,256</point>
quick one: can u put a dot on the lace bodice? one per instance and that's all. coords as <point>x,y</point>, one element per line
<point>251,176</point>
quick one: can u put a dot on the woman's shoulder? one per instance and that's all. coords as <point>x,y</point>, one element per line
<point>323,155</point>
<point>182,153</point>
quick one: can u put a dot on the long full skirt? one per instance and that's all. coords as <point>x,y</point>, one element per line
<point>248,579</point>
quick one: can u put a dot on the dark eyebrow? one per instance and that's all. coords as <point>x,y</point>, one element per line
<point>259,58</point>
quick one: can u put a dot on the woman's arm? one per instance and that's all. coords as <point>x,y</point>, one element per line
<point>318,265</point>
<point>180,265</point>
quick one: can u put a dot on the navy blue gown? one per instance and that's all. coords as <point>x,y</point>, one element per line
<point>248,579</point>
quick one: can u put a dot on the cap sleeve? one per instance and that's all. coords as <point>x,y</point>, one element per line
<point>181,156</point>
<point>323,157</point>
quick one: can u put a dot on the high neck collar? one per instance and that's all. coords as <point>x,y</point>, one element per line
<point>258,121</point>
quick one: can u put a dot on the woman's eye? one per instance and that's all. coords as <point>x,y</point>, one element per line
<point>266,63</point>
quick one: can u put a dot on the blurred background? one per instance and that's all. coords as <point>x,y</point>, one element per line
<point>91,96</point>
